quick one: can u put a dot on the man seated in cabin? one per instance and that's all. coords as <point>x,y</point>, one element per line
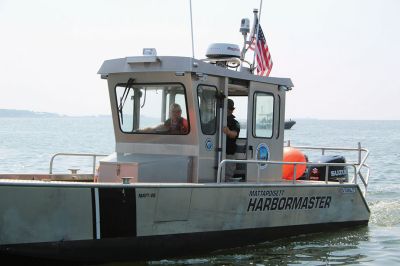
<point>176,124</point>
<point>232,133</point>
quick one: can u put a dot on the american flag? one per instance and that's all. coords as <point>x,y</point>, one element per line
<point>263,57</point>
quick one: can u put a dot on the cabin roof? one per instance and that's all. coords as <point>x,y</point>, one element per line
<point>180,64</point>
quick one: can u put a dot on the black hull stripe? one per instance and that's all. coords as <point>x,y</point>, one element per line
<point>117,212</point>
<point>158,247</point>
<point>93,213</point>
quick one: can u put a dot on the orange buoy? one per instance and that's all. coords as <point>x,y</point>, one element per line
<point>291,154</point>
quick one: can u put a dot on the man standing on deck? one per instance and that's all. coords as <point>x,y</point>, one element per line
<point>232,133</point>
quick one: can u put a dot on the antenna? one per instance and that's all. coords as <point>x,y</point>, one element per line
<point>191,26</point>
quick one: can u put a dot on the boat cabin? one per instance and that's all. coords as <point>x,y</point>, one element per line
<point>147,91</point>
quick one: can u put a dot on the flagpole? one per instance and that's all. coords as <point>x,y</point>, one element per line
<point>258,27</point>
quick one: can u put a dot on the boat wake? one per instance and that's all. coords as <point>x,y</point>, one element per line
<point>385,213</point>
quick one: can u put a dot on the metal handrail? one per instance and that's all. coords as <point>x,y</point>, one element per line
<point>94,155</point>
<point>323,149</point>
<point>353,180</point>
<point>356,166</point>
<point>360,164</point>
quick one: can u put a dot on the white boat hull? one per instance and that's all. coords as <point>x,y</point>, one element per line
<point>91,222</point>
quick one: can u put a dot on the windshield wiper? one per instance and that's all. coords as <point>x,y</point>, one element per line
<point>122,100</point>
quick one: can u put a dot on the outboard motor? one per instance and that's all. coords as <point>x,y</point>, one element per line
<point>336,173</point>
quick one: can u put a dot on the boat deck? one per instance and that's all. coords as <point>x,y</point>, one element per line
<point>87,180</point>
<point>48,177</point>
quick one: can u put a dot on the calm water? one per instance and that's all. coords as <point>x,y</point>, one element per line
<point>26,145</point>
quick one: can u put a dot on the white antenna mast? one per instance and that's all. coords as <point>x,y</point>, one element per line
<point>191,26</point>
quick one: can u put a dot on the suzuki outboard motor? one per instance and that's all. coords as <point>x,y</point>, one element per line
<point>336,173</point>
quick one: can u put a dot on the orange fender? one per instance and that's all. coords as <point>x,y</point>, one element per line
<point>291,154</point>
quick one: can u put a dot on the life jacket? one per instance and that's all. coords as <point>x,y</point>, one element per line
<point>181,127</point>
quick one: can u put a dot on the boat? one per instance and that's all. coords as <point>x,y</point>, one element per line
<point>163,192</point>
<point>289,124</point>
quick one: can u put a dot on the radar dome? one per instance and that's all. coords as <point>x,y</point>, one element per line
<point>223,50</point>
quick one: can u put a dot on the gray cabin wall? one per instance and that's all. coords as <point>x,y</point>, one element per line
<point>157,144</point>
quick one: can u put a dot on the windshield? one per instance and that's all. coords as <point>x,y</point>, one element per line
<point>152,109</point>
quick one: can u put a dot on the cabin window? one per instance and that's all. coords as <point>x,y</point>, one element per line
<point>263,115</point>
<point>206,96</point>
<point>152,109</point>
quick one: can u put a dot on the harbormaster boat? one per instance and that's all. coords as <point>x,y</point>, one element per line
<point>163,192</point>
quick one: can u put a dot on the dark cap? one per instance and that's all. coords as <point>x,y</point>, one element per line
<point>231,105</point>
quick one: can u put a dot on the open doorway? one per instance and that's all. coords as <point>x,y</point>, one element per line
<point>240,113</point>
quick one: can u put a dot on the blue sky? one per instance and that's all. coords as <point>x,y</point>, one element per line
<point>342,55</point>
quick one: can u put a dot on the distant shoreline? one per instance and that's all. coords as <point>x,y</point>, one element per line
<point>13,113</point>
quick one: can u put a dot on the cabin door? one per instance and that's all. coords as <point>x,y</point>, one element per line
<point>207,100</point>
<point>263,129</point>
